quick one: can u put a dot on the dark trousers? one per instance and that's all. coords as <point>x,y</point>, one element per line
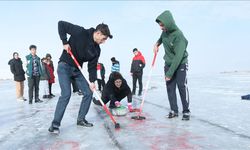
<point>137,76</point>
<point>74,85</point>
<point>101,84</point>
<point>50,88</point>
<point>179,79</point>
<point>33,84</point>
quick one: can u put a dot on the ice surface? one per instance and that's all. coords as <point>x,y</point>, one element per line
<point>219,119</point>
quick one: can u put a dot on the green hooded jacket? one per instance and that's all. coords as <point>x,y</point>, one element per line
<point>174,43</point>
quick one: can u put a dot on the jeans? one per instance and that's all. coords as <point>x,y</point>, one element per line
<point>65,73</point>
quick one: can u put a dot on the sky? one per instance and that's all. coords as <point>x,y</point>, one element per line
<point>217,31</point>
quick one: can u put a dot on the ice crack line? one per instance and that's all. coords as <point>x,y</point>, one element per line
<point>109,131</point>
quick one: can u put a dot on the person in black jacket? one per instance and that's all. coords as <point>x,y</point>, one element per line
<point>84,44</point>
<point>138,63</point>
<point>114,91</point>
<point>16,67</point>
<point>100,76</point>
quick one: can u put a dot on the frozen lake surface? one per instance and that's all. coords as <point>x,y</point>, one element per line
<point>219,120</point>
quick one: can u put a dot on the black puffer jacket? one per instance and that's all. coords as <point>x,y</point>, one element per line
<point>16,67</point>
<point>111,91</point>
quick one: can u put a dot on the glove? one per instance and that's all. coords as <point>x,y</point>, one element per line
<point>117,104</point>
<point>130,107</point>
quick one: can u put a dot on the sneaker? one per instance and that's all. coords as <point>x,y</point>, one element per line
<point>21,99</point>
<point>172,114</point>
<point>186,116</point>
<point>97,102</point>
<point>38,101</point>
<point>53,129</point>
<point>30,102</point>
<point>139,94</point>
<point>84,123</point>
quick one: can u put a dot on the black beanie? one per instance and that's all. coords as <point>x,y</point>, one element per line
<point>112,59</point>
<point>135,49</point>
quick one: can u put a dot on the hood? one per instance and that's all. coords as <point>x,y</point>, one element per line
<point>10,61</point>
<point>167,19</point>
<point>136,57</point>
<point>139,57</point>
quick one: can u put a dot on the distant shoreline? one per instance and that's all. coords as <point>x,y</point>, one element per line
<point>236,71</point>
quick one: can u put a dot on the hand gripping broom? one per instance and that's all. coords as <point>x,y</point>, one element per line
<point>117,125</point>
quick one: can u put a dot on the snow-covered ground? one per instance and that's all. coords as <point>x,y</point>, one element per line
<point>220,120</point>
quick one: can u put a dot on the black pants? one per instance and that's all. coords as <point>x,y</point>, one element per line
<point>137,76</point>
<point>33,83</point>
<point>179,79</point>
<point>101,84</point>
<point>74,85</point>
<point>50,88</point>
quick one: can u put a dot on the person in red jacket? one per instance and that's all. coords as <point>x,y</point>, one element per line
<point>100,76</point>
<point>51,80</point>
<point>138,63</point>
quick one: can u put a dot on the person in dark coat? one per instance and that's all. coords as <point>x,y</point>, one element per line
<point>114,91</point>
<point>84,45</point>
<point>16,67</point>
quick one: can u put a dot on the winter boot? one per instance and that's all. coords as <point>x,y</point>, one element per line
<point>172,114</point>
<point>38,101</point>
<point>186,116</point>
<point>84,123</point>
<point>54,129</point>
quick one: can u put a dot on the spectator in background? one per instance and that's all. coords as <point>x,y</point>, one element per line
<point>16,67</point>
<point>34,71</point>
<point>115,65</point>
<point>50,67</point>
<point>138,63</point>
<point>100,76</point>
<point>44,78</point>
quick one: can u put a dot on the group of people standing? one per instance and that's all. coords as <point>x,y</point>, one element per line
<point>36,70</point>
<point>84,45</point>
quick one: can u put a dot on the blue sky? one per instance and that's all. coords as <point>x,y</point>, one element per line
<point>218,32</point>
